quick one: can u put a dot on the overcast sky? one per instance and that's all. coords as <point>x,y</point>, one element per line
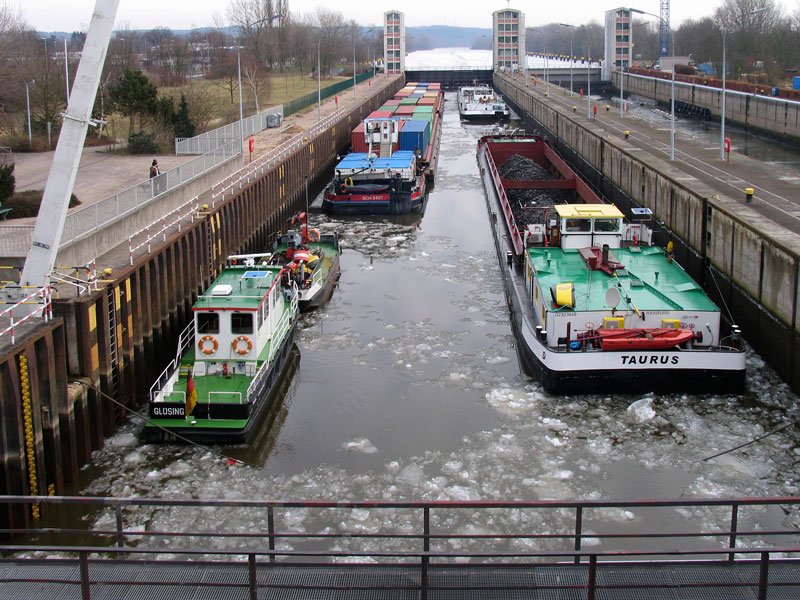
<point>71,15</point>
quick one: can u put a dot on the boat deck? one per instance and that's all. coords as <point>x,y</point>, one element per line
<point>649,279</point>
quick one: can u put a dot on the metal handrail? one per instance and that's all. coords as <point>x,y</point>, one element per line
<point>421,557</point>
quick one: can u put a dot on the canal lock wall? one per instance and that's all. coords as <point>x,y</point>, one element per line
<point>67,384</point>
<point>777,117</point>
<point>745,262</point>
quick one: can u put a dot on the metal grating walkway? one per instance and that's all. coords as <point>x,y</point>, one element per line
<point>59,579</point>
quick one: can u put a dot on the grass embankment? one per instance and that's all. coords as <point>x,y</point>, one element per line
<point>26,204</point>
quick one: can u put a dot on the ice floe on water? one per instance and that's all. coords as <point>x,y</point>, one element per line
<point>360,445</point>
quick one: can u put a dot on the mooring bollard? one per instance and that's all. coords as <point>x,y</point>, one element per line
<point>626,133</point>
<point>574,108</point>
<point>748,195</point>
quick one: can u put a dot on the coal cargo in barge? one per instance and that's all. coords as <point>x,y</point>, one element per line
<point>594,306</point>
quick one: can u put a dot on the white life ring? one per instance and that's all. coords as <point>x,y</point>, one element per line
<point>239,349</point>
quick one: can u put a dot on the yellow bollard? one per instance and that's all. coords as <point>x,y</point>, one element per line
<point>748,195</point>
<point>574,108</point>
<point>626,133</point>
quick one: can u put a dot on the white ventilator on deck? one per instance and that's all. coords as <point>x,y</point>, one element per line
<point>77,118</point>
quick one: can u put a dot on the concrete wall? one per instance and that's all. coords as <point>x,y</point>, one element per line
<point>745,262</point>
<point>776,116</point>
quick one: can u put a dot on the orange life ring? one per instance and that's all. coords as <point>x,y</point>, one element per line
<point>205,349</point>
<point>242,338</point>
<point>313,235</point>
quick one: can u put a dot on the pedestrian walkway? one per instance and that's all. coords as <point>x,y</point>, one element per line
<point>776,190</point>
<point>103,173</point>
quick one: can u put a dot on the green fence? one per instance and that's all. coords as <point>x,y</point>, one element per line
<point>302,102</point>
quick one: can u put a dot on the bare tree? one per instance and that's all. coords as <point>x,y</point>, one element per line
<point>257,21</point>
<point>256,78</point>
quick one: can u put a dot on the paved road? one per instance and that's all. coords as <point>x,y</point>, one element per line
<point>777,191</point>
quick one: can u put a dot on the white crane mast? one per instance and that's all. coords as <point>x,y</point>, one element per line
<point>66,160</point>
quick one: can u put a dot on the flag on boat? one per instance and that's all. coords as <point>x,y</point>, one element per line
<point>191,395</point>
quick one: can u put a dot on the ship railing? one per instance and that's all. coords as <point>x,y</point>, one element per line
<point>742,546</point>
<point>185,340</point>
<point>225,398</point>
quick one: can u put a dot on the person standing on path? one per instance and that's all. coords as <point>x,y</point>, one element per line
<point>154,172</point>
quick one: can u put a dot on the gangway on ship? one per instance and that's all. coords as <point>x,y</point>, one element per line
<point>137,547</point>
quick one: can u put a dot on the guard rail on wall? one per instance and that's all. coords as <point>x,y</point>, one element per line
<point>185,212</point>
<point>15,238</point>
<point>264,163</point>
<point>21,311</point>
<point>94,217</point>
<point>211,140</point>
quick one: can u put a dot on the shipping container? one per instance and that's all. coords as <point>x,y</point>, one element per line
<point>796,82</point>
<point>392,102</point>
<point>427,102</point>
<point>379,114</point>
<point>388,108</point>
<point>409,100</point>
<point>415,136</point>
<point>421,108</point>
<point>407,109</point>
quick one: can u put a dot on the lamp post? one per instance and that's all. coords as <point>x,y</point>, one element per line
<point>571,39</point>
<point>722,103</point>
<point>588,83</point>
<point>672,84</point>
<point>28,105</point>
<point>241,111</point>
<point>319,80</point>
<point>66,69</point>
<point>354,65</point>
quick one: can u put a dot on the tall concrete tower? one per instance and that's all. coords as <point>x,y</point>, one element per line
<point>618,50</point>
<point>394,42</point>
<point>508,40</point>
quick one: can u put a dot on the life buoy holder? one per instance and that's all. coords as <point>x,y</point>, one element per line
<point>313,235</point>
<point>239,349</point>
<point>208,349</point>
<point>348,182</point>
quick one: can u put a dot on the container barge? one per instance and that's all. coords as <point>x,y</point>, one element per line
<point>595,307</point>
<point>481,102</point>
<point>394,154</point>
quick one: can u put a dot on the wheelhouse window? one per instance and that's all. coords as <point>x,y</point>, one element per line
<point>207,322</point>
<point>577,225</point>
<point>606,225</point>
<point>242,323</point>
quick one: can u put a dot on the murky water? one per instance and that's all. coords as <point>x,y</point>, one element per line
<point>408,388</point>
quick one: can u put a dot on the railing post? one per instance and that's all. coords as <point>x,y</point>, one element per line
<point>426,546</point>
<point>578,530</point>
<point>120,536</point>
<point>591,581</point>
<point>733,529</point>
<point>84,568</point>
<point>252,576</point>
<point>271,531</point>
<point>763,576</point>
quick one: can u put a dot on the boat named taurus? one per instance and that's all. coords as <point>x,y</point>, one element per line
<point>595,306</point>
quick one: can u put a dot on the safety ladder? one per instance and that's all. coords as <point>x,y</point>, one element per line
<point>113,350</point>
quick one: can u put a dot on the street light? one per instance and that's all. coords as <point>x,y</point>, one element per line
<point>319,80</point>
<point>672,85</point>
<point>66,68</point>
<point>571,38</point>
<point>28,104</point>
<point>722,106</point>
